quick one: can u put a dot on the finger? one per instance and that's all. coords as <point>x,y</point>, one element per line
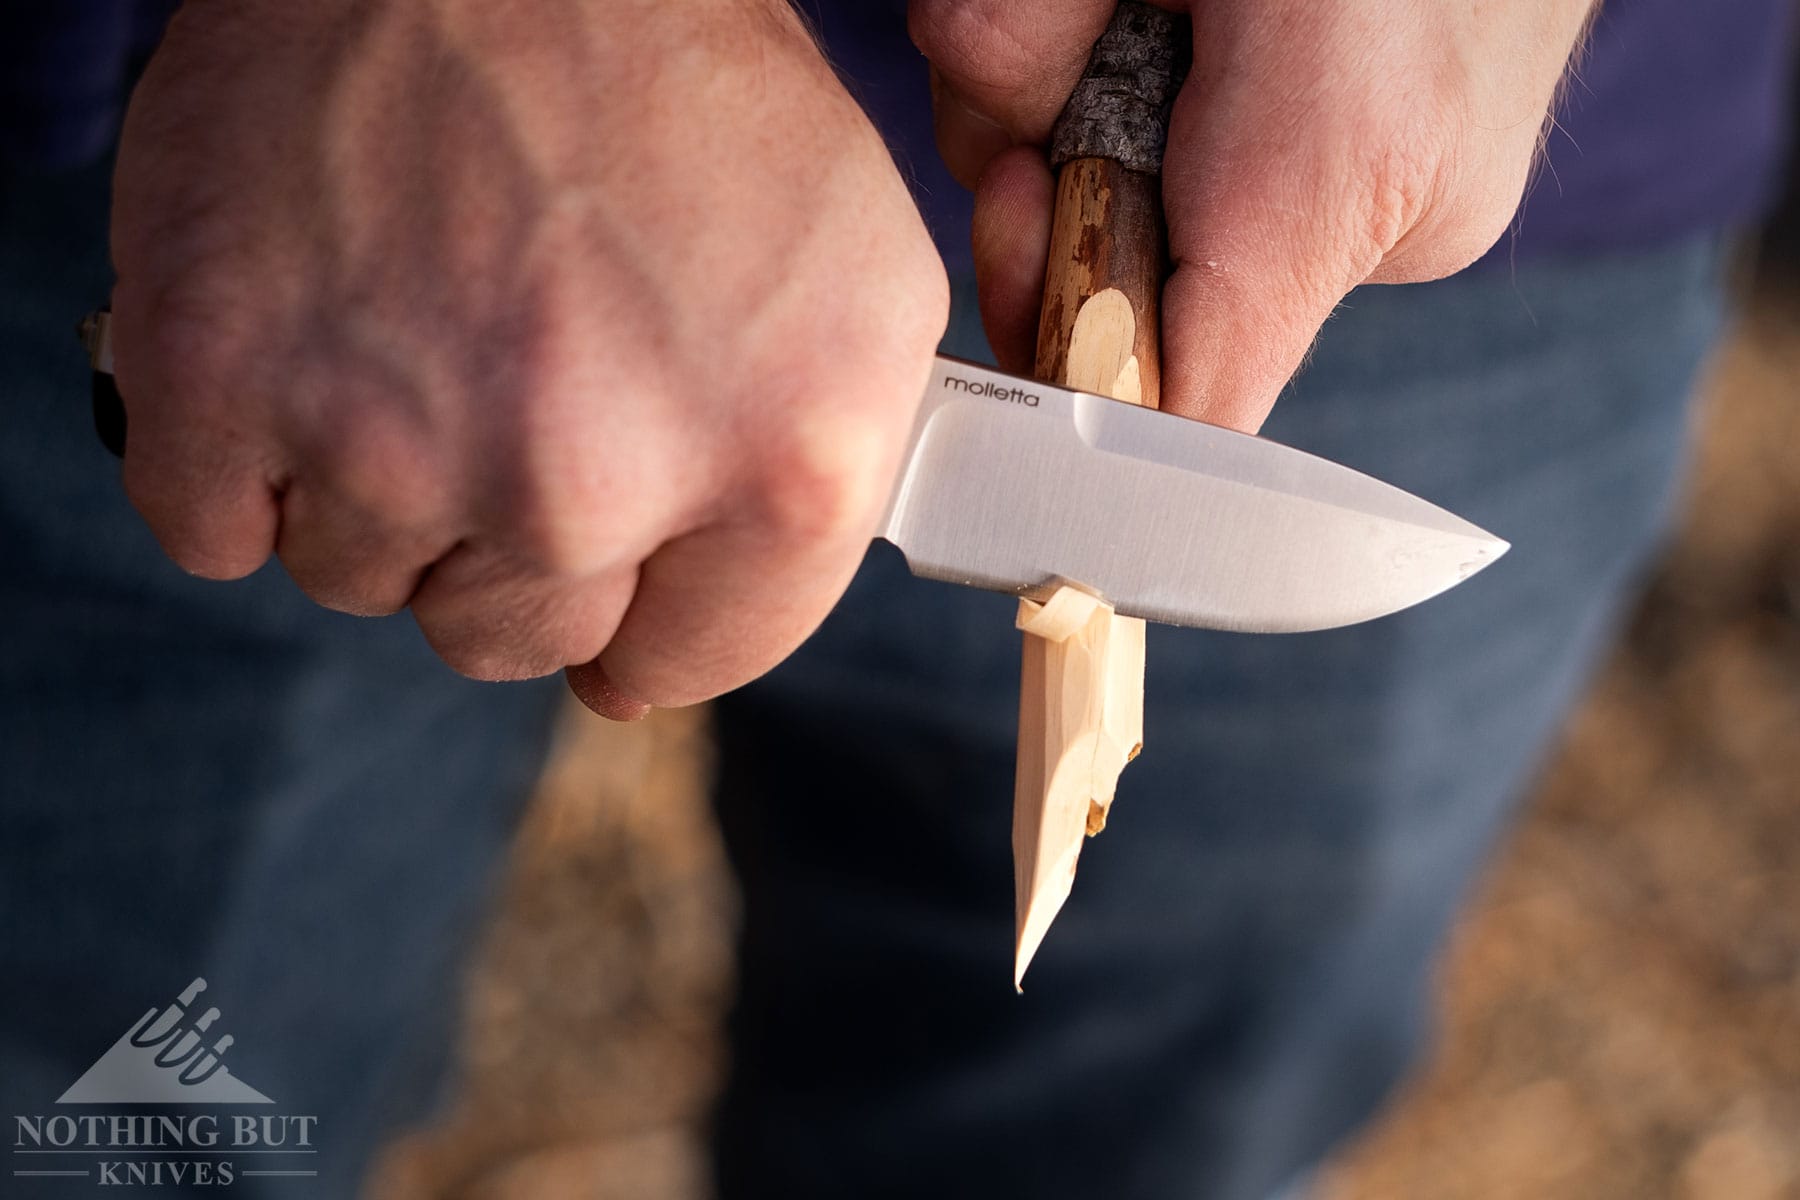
<point>1011,236</point>
<point>366,515</point>
<point>722,604</point>
<point>1264,247</point>
<point>1003,70</point>
<point>1238,321</point>
<point>207,498</point>
<point>346,557</point>
<point>490,618</point>
<point>214,516</point>
<point>203,479</point>
<point>718,608</point>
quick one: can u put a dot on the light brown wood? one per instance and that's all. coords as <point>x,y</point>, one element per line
<point>1081,690</point>
<point>1081,714</point>
<point>1107,235</point>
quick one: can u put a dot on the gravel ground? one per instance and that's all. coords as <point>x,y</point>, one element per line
<point>1621,1007</point>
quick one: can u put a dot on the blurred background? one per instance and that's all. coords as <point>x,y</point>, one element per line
<point>1620,1009</point>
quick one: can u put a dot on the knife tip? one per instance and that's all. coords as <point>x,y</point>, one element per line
<point>1484,554</point>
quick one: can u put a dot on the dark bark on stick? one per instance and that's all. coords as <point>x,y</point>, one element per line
<point>1120,109</point>
<point>1108,234</point>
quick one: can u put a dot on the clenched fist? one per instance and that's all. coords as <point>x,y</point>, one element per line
<point>591,329</point>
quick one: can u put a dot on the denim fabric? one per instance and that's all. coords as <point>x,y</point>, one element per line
<point>221,780</point>
<point>1240,975</point>
<point>218,780</point>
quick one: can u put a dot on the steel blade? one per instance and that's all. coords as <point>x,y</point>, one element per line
<point>1021,487</point>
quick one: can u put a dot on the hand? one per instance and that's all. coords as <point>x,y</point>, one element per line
<point>1317,145</point>
<point>593,329</point>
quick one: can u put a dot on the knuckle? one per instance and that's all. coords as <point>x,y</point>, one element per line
<point>171,346</point>
<point>378,467</point>
<point>561,522</point>
<point>561,544</point>
<point>554,548</point>
<point>1378,201</point>
<point>575,481</point>
<point>1468,217</point>
<point>1402,177</point>
<point>823,482</point>
<point>563,518</point>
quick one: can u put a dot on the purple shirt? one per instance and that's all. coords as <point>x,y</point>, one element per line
<point>1676,121</point>
<point>63,64</point>
<point>1677,124</point>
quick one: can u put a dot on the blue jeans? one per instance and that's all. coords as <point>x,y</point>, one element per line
<point>307,809</point>
<point>220,781</point>
<point>1241,974</point>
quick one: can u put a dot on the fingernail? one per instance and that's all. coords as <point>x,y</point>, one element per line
<point>591,686</point>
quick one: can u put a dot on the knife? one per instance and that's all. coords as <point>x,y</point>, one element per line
<point>1022,487</point>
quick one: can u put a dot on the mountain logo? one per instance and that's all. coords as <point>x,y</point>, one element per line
<point>165,1059</point>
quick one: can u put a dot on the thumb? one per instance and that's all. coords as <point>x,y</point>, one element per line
<point>1238,321</point>
<point>1262,255</point>
<point>1001,70</point>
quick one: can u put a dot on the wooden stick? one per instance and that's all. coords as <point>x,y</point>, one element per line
<point>1081,693</point>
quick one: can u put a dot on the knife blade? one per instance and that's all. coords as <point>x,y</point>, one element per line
<point>1020,487</point>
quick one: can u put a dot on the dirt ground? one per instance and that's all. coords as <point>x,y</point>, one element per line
<point>1621,1008</point>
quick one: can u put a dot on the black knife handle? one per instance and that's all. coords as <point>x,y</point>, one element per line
<point>95,332</point>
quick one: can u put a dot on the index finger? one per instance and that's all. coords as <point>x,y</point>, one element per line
<point>1002,70</point>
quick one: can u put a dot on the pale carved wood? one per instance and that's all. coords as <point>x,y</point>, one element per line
<point>1081,695</point>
